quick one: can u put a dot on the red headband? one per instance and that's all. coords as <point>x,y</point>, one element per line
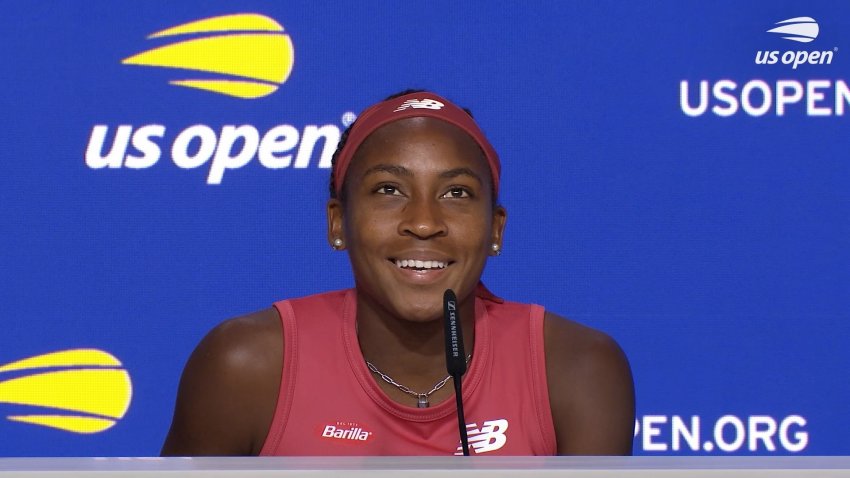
<point>423,103</point>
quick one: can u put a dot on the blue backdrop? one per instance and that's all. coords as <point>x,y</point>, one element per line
<point>675,175</point>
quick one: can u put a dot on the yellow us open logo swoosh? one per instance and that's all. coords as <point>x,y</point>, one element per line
<point>80,390</point>
<point>250,51</point>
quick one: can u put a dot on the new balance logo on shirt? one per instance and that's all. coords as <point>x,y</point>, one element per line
<point>490,437</point>
<point>420,104</point>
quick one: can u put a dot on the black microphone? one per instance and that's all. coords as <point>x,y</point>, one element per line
<point>455,358</point>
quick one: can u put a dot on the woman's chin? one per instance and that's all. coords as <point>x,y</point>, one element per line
<point>423,314</point>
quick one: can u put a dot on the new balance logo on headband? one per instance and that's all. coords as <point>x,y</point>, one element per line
<point>420,104</point>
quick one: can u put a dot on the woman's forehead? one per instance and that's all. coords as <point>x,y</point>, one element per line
<point>420,104</point>
<point>421,139</point>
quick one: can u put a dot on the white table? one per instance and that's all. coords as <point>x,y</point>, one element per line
<point>431,467</point>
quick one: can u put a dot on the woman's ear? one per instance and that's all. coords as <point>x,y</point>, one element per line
<point>336,234</point>
<point>500,217</point>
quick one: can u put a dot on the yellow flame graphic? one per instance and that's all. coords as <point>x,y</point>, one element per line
<point>69,423</point>
<point>64,358</point>
<point>224,23</point>
<point>251,48</point>
<point>94,385</point>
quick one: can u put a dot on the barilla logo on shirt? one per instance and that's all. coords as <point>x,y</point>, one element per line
<point>346,432</point>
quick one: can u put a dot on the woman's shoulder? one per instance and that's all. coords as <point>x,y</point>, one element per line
<point>578,344</point>
<point>229,388</point>
<point>241,341</point>
<point>241,347</point>
<point>591,392</point>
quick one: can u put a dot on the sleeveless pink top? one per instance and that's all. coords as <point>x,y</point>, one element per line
<point>330,404</point>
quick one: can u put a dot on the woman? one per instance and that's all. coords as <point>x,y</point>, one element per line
<point>414,191</point>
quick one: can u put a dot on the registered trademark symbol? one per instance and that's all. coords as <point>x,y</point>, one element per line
<point>347,118</point>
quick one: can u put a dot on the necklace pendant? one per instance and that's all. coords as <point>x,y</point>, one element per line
<point>423,401</point>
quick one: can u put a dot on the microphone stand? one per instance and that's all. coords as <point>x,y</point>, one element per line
<point>455,359</point>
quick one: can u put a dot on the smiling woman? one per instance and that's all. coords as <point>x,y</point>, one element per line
<point>414,202</point>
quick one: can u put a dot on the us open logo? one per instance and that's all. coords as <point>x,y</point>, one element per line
<point>77,390</point>
<point>250,54</point>
<point>801,30</point>
<point>820,96</point>
<point>243,55</point>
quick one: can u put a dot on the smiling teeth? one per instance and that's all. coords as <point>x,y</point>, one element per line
<point>420,264</point>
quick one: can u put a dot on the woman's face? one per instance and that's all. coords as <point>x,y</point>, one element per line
<point>417,217</point>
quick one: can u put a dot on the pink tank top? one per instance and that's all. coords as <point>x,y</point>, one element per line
<point>330,404</point>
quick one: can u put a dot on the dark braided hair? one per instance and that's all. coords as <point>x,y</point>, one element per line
<point>344,139</point>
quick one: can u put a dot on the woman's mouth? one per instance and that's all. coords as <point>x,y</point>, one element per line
<point>419,265</point>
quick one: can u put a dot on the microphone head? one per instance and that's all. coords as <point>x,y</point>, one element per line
<point>455,356</point>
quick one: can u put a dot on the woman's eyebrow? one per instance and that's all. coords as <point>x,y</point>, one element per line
<point>402,171</point>
<point>453,173</point>
<point>388,168</point>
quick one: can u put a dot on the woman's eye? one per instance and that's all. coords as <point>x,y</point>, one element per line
<point>388,189</point>
<point>457,193</point>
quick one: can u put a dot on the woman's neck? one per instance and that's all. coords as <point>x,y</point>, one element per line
<point>412,352</point>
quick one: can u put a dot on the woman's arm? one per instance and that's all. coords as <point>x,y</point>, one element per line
<point>591,392</point>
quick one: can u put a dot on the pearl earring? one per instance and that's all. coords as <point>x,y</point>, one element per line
<point>497,249</point>
<point>337,243</point>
